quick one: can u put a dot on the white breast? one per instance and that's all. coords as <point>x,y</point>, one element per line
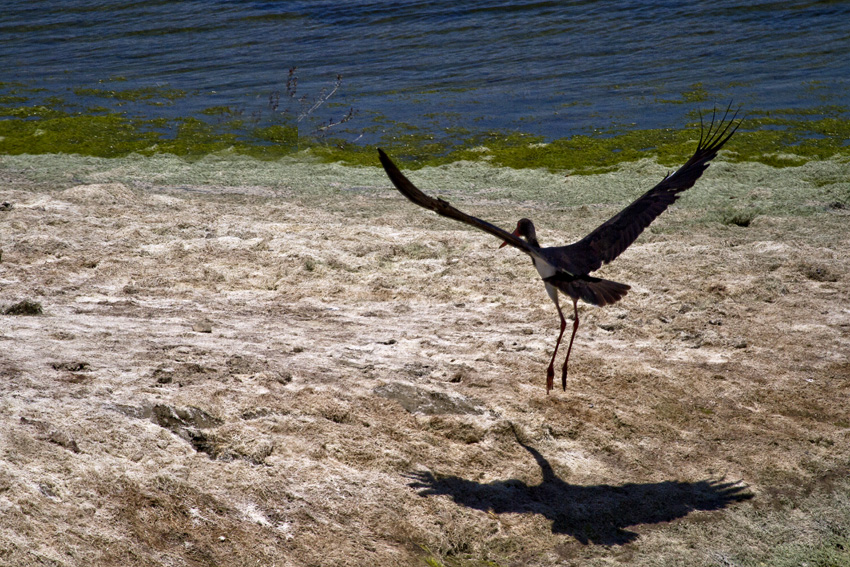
<point>544,268</point>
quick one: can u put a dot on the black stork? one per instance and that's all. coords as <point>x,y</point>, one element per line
<point>567,268</point>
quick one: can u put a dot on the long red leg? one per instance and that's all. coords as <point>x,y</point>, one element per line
<point>550,373</point>
<point>575,328</point>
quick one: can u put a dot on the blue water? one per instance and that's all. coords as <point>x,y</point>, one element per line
<point>542,67</point>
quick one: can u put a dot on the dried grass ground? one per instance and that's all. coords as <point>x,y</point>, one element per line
<point>256,374</point>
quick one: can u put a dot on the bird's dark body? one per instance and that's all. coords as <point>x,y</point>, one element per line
<point>568,268</point>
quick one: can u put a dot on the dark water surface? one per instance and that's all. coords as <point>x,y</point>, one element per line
<point>541,67</point>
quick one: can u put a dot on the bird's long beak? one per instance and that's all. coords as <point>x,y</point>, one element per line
<point>516,233</point>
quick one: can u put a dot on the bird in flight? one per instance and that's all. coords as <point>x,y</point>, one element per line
<point>567,268</point>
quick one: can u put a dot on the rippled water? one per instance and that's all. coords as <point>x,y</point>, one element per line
<point>543,67</point>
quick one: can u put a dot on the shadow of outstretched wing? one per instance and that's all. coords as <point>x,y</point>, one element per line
<point>598,513</point>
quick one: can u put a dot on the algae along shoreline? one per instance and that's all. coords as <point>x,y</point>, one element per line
<point>241,361</point>
<point>781,138</point>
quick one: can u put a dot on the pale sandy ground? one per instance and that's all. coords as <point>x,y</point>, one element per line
<point>243,363</point>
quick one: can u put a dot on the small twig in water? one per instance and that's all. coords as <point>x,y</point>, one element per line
<point>321,99</point>
<point>348,116</point>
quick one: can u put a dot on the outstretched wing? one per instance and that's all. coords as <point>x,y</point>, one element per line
<point>612,237</point>
<point>441,207</point>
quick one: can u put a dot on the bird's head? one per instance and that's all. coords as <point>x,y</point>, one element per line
<point>525,230</point>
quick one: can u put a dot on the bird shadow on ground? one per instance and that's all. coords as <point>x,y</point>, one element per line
<point>592,514</point>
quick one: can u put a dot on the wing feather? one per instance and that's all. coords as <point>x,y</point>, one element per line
<point>611,238</point>
<point>441,207</point>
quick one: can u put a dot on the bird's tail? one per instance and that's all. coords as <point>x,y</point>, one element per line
<point>595,291</point>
